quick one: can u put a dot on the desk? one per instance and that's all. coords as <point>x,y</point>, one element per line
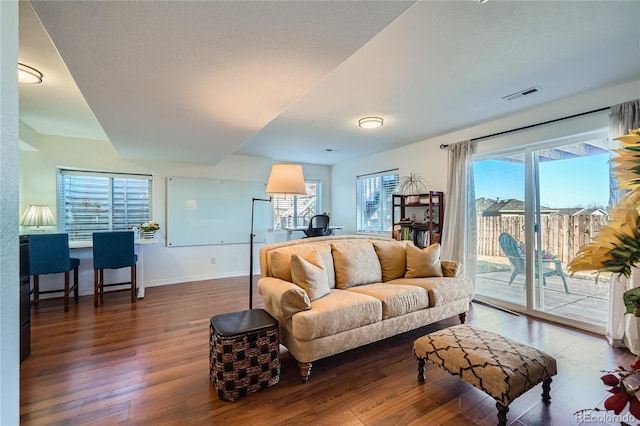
<point>291,229</point>
<point>139,247</point>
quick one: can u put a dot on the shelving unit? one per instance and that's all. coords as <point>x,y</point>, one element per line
<point>419,221</point>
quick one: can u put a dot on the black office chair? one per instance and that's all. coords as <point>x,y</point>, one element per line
<point>49,254</point>
<point>113,250</point>
<point>318,226</point>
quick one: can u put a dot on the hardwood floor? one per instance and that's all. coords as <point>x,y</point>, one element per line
<point>147,363</point>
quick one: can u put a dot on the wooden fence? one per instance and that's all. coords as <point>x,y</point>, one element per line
<point>562,235</point>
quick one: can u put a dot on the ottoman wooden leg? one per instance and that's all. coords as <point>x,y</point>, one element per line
<point>421,363</point>
<point>502,414</point>
<point>463,317</point>
<point>546,388</point>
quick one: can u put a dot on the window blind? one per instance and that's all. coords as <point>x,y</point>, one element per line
<point>374,201</point>
<point>90,201</point>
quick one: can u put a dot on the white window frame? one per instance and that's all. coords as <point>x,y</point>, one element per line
<point>299,216</point>
<point>375,216</point>
<point>119,204</point>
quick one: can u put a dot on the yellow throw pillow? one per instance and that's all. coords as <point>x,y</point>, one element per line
<point>423,263</point>
<point>309,274</point>
<point>393,259</point>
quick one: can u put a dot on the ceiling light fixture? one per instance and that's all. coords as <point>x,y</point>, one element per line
<point>28,75</point>
<point>370,122</point>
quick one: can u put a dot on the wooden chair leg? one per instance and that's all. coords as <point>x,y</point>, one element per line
<point>133,284</point>
<point>101,286</point>
<point>36,289</point>
<point>66,291</point>
<point>76,289</point>
<point>96,287</point>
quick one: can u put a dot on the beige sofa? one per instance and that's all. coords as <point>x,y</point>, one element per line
<point>332,294</point>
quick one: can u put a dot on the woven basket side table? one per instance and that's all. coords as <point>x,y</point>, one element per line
<point>244,353</point>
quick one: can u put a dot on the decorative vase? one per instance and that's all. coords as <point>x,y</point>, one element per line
<point>413,199</point>
<point>148,234</point>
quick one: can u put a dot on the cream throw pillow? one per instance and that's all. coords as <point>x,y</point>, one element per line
<point>356,263</point>
<point>309,274</point>
<point>423,263</point>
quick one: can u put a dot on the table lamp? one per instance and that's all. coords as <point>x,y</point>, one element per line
<point>283,179</point>
<point>37,215</point>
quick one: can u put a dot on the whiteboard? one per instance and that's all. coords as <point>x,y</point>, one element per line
<point>208,211</point>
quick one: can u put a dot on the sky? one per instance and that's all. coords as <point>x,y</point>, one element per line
<point>577,182</point>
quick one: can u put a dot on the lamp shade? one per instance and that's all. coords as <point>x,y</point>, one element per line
<point>286,179</point>
<point>37,215</point>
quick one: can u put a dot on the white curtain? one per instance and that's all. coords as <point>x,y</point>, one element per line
<point>622,330</point>
<point>459,231</point>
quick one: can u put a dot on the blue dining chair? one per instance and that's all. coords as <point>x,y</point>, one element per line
<point>49,254</point>
<point>113,250</point>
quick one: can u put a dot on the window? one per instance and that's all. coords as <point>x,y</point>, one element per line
<point>297,210</point>
<point>99,201</point>
<point>373,201</point>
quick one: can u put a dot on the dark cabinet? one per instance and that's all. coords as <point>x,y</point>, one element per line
<point>25,303</point>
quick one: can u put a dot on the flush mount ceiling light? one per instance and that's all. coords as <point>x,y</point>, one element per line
<point>28,75</point>
<point>370,122</point>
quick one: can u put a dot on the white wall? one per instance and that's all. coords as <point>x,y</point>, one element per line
<point>162,265</point>
<point>427,159</point>
<point>9,275</point>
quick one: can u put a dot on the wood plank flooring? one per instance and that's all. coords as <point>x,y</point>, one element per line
<point>147,363</point>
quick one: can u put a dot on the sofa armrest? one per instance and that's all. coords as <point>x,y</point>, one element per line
<point>281,298</point>
<point>452,268</point>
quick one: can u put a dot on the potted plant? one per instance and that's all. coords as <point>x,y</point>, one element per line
<point>410,186</point>
<point>148,229</point>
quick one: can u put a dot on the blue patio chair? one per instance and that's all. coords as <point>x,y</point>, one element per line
<point>49,254</point>
<point>509,246</point>
<point>113,250</point>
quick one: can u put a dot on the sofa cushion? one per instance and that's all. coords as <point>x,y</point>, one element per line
<point>441,290</point>
<point>308,272</point>
<point>355,263</point>
<point>396,299</point>
<point>280,260</point>
<point>393,259</point>
<point>337,312</point>
<point>423,263</point>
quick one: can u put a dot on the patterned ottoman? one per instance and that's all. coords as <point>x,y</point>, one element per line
<point>244,353</point>
<point>501,367</point>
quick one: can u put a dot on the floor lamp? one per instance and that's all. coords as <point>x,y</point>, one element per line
<point>285,179</point>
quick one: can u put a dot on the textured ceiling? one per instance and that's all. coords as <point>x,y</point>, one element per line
<point>197,81</point>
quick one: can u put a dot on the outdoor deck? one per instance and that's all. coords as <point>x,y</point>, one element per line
<point>587,301</point>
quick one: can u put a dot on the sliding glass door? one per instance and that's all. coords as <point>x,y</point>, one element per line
<point>500,199</point>
<point>527,238</point>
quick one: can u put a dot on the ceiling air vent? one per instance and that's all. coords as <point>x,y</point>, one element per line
<point>522,93</point>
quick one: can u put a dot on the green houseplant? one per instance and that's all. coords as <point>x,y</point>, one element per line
<point>410,186</point>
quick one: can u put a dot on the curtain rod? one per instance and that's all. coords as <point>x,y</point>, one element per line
<point>445,146</point>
